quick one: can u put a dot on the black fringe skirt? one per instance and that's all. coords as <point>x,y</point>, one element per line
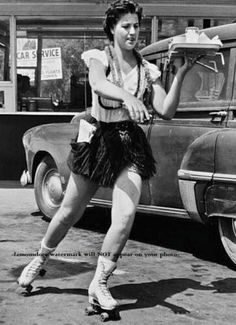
<point>114,147</point>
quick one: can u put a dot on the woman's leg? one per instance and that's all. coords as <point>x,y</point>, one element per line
<point>78,194</point>
<point>79,191</point>
<point>126,195</point>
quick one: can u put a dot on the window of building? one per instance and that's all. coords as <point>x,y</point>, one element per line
<point>171,26</point>
<point>4,49</point>
<point>51,76</point>
<point>7,88</point>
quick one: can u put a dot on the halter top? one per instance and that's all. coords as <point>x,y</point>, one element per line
<point>129,84</point>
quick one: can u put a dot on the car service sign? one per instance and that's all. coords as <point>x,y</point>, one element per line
<point>51,62</point>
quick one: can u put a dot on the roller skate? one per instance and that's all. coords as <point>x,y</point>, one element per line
<point>101,301</point>
<point>35,268</point>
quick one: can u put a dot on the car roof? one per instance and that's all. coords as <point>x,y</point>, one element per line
<point>225,32</point>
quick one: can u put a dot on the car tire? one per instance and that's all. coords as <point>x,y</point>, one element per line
<point>48,187</point>
<point>227,232</point>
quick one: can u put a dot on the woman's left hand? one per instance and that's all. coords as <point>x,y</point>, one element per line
<point>183,64</point>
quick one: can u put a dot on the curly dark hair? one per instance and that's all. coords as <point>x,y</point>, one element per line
<point>116,10</point>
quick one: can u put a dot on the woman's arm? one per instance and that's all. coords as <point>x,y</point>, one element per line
<point>166,104</point>
<point>105,88</point>
<point>100,84</point>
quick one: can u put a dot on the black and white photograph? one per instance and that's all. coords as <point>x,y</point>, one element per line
<point>118,162</point>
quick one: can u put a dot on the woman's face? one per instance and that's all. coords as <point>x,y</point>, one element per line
<point>126,31</point>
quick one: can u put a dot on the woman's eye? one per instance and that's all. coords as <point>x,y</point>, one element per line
<point>129,26</point>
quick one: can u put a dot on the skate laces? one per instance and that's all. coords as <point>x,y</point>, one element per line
<point>36,265</point>
<point>102,284</point>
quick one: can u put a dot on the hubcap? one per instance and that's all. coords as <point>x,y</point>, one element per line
<point>52,190</point>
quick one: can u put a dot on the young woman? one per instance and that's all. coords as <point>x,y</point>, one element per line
<point>118,154</point>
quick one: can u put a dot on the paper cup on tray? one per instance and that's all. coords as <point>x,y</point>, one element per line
<point>192,34</point>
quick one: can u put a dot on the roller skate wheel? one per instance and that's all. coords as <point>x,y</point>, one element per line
<point>42,272</point>
<point>29,288</point>
<point>24,291</point>
<point>89,311</point>
<point>104,316</point>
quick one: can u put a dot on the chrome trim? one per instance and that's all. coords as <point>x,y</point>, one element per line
<point>151,209</point>
<point>101,203</point>
<point>187,192</point>
<point>163,211</point>
<point>194,175</point>
<point>221,215</point>
<point>226,178</point>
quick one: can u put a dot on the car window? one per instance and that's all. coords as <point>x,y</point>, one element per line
<point>202,84</point>
<point>160,61</point>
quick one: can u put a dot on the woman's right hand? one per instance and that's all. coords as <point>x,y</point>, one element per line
<point>137,110</point>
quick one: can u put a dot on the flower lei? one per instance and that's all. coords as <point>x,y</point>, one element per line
<point>117,79</point>
<point>147,76</point>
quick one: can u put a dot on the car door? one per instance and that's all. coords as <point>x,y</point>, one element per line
<point>203,109</point>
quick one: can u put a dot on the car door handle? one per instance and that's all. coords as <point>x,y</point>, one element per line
<point>218,116</point>
<point>218,113</point>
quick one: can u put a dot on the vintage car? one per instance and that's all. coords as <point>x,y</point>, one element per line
<point>195,151</point>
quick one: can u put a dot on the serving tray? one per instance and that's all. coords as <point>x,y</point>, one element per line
<point>193,49</point>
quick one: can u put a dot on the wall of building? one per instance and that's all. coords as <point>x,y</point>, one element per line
<point>192,8</point>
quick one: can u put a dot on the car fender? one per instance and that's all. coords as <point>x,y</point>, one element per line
<point>196,173</point>
<point>38,141</point>
<point>221,195</point>
<point>46,140</point>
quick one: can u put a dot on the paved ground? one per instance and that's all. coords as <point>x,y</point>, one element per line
<point>171,272</point>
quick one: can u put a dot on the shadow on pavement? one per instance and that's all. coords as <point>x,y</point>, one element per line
<point>148,294</point>
<point>55,290</point>
<point>144,295</point>
<point>178,234</point>
<point>59,269</point>
<point>13,184</point>
<point>227,285</point>
<point>172,233</point>
<point>151,294</point>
